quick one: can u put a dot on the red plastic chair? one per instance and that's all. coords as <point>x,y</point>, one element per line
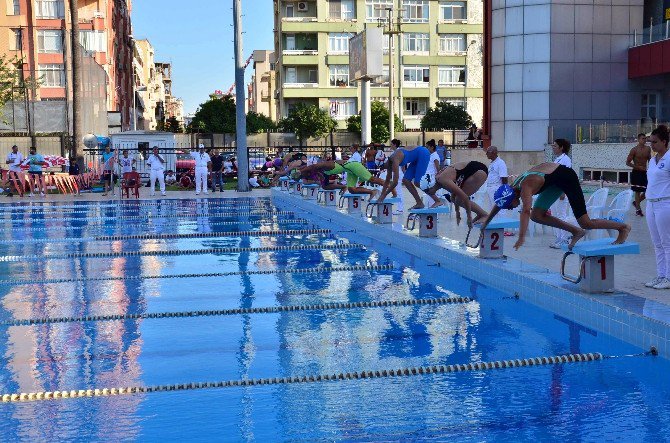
<point>130,183</point>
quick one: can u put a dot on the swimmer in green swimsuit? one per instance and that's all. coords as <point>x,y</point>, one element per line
<point>549,181</point>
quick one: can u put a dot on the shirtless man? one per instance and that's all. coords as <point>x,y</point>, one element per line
<point>638,159</point>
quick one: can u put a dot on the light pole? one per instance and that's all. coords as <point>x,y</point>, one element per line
<point>465,71</point>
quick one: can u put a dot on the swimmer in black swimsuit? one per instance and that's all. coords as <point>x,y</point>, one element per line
<point>462,180</point>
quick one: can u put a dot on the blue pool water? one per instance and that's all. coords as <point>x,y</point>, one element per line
<point>623,398</point>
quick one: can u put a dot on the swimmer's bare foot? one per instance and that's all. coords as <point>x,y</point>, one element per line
<point>575,238</point>
<point>623,235</point>
<point>437,204</point>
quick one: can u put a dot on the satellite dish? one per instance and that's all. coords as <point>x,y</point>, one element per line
<point>90,141</point>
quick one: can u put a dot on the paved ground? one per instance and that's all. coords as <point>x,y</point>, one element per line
<point>632,270</point>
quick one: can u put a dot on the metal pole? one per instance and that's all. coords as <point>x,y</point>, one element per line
<point>241,118</point>
<point>366,120</point>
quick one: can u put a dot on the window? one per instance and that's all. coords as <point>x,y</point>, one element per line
<point>452,43</point>
<point>50,41</point>
<point>416,42</point>
<point>416,74</point>
<point>376,9</point>
<point>290,10</point>
<point>649,106</point>
<point>451,76</point>
<point>49,9</point>
<point>338,43</point>
<point>52,76</point>
<point>17,41</point>
<point>342,108</point>
<point>455,101</point>
<point>93,41</point>
<point>15,8</point>
<point>453,11</point>
<point>416,11</point>
<point>341,9</point>
<point>415,106</point>
<point>339,75</point>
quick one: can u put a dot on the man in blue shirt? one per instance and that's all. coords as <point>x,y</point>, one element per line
<point>35,163</point>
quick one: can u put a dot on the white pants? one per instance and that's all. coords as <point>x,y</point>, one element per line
<point>491,192</point>
<point>157,175</point>
<point>658,220</point>
<point>201,179</point>
<point>560,210</point>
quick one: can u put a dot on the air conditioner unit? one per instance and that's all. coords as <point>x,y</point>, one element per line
<point>302,6</point>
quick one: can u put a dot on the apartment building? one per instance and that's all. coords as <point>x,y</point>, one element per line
<point>437,55</point>
<point>261,91</point>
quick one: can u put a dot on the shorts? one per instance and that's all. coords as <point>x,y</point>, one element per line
<point>417,163</point>
<point>563,180</point>
<point>356,172</point>
<point>638,181</point>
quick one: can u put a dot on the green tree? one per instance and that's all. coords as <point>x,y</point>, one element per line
<point>307,121</point>
<point>379,117</point>
<point>259,123</point>
<point>217,115</point>
<point>173,125</point>
<point>446,116</point>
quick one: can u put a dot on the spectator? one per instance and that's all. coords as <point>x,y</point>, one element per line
<point>658,206</point>
<point>156,164</point>
<point>107,160</point>
<point>15,174</point>
<point>217,170</point>
<point>202,166</point>
<point>560,209</point>
<point>35,163</point>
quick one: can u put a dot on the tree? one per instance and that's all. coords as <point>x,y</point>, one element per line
<point>259,123</point>
<point>217,115</point>
<point>307,121</point>
<point>380,123</point>
<point>446,116</point>
<point>173,125</point>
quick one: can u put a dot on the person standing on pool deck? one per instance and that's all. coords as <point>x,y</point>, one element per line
<point>157,166</point>
<point>202,166</point>
<point>560,209</point>
<point>638,159</point>
<point>548,181</point>
<point>416,160</point>
<point>658,206</point>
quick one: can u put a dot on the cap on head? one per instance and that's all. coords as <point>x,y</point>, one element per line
<point>504,196</point>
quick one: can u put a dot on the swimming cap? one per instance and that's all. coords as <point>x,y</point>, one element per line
<point>504,196</point>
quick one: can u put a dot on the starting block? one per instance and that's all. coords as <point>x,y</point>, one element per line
<point>309,191</point>
<point>327,197</point>
<point>491,241</point>
<point>384,213</point>
<point>283,183</point>
<point>353,202</point>
<point>427,220</point>
<point>596,263</point>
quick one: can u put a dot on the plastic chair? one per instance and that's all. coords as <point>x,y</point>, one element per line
<point>130,183</point>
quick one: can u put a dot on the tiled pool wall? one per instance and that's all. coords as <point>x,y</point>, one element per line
<point>637,321</point>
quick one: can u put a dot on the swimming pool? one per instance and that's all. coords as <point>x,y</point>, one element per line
<point>348,308</point>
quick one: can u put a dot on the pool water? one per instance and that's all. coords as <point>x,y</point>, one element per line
<point>622,398</point>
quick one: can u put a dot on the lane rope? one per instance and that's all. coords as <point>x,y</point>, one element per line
<point>163,236</point>
<point>299,379</point>
<point>323,269</point>
<point>238,311</point>
<point>168,252</point>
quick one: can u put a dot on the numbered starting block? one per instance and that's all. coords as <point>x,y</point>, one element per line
<point>491,240</point>
<point>354,202</point>
<point>327,197</point>
<point>596,263</point>
<point>427,218</point>
<point>283,183</point>
<point>384,210</point>
<point>309,192</point>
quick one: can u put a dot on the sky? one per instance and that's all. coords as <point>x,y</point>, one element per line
<point>196,36</point>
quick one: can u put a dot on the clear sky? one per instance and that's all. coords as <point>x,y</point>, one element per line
<point>196,36</point>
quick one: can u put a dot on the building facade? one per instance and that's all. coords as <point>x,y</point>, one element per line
<point>437,55</point>
<point>38,33</point>
<point>261,91</point>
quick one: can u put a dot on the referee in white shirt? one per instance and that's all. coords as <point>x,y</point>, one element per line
<point>202,165</point>
<point>561,208</point>
<point>496,178</point>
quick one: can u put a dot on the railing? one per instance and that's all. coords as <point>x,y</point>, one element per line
<point>622,132</point>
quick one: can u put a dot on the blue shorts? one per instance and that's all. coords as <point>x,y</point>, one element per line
<point>417,163</point>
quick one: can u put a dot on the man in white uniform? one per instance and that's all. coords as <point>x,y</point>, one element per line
<point>15,175</point>
<point>156,164</point>
<point>561,208</point>
<point>496,178</point>
<point>202,165</point>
